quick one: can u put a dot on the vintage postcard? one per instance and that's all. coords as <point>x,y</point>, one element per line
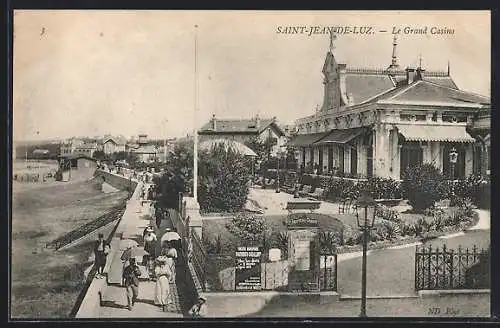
<point>243,164</point>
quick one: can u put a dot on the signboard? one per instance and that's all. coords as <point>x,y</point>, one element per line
<point>248,269</point>
<point>301,221</point>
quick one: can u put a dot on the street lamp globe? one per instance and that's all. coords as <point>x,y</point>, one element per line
<point>365,211</point>
<point>453,155</point>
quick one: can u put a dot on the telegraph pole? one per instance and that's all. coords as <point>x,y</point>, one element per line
<point>195,132</point>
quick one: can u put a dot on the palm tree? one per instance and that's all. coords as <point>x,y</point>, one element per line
<point>282,242</point>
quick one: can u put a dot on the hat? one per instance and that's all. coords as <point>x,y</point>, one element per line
<point>171,252</point>
<point>150,228</point>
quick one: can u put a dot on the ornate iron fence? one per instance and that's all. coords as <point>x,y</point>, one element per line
<point>328,273</point>
<point>451,269</point>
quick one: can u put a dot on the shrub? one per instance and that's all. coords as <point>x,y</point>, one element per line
<point>421,227</point>
<point>392,230</point>
<point>381,188</point>
<point>342,188</point>
<point>247,228</point>
<point>213,246</point>
<point>351,236</point>
<point>421,185</point>
<point>438,218</point>
<point>281,242</point>
<point>408,229</point>
<point>469,187</point>
<point>387,213</point>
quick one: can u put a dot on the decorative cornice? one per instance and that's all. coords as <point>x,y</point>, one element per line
<point>377,71</point>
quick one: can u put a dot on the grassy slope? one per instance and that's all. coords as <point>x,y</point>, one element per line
<point>45,284</point>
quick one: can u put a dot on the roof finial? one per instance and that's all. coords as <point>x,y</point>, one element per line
<point>448,67</point>
<point>332,38</point>
<point>420,61</point>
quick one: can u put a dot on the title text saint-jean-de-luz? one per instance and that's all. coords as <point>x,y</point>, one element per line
<point>364,30</point>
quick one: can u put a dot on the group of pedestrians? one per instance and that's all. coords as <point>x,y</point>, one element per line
<point>160,260</point>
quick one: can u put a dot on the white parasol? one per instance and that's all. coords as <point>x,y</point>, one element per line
<point>169,236</point>
<point>228,144</point>
<point>126,243</point>
<point>134,252</point>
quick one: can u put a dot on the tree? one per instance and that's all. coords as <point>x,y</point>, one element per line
<point>422,186</point>
<point>223,178</point>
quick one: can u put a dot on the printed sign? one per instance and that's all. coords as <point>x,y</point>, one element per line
<point>248,269</point>
<point>301,221</point>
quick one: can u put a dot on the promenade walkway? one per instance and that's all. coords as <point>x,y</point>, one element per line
<point>113,296</point>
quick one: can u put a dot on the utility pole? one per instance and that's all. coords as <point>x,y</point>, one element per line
<point>195,133</point>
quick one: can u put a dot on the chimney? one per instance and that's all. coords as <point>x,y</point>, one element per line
<point>214,123</point>
<point>257,121</point>
<point>410,75</point>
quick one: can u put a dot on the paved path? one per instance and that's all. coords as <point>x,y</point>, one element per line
<point>113,295</point>
<point>274,203</point>
<point>484,220</point>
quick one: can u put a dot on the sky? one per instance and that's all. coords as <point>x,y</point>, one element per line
<point>90,73</point>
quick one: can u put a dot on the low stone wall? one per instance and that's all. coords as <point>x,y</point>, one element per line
<point>117,181</point>
<point>244,304</point>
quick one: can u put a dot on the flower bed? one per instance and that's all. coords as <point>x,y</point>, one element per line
<point>405,232</point>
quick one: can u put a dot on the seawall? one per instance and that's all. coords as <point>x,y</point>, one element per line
<point>117,181</point>
<point>88,304</point>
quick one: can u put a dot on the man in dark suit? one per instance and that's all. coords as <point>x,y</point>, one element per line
<point>131,276</point>
<point>101,251</point>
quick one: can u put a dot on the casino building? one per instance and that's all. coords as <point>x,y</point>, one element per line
<point>377,122</point>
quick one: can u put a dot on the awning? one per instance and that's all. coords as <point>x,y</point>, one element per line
<point>302,140</point>
<point>341,136</point>
<point>449,133</point>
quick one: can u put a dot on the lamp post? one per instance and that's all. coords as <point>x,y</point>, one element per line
<point>297,172</point>
<point>453,161</point>
<point>365,216</point>
<point>280,153</point>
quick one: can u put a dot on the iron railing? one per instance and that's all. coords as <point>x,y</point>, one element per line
<point>198,258</point>
<point>108,217</point>
<point>442,269</point>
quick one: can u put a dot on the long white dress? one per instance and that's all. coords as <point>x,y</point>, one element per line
<point>162,289</point>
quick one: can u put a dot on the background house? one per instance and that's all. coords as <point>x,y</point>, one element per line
<point>77,167</point>
<point>243,131</point>
<point>113,145</point>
